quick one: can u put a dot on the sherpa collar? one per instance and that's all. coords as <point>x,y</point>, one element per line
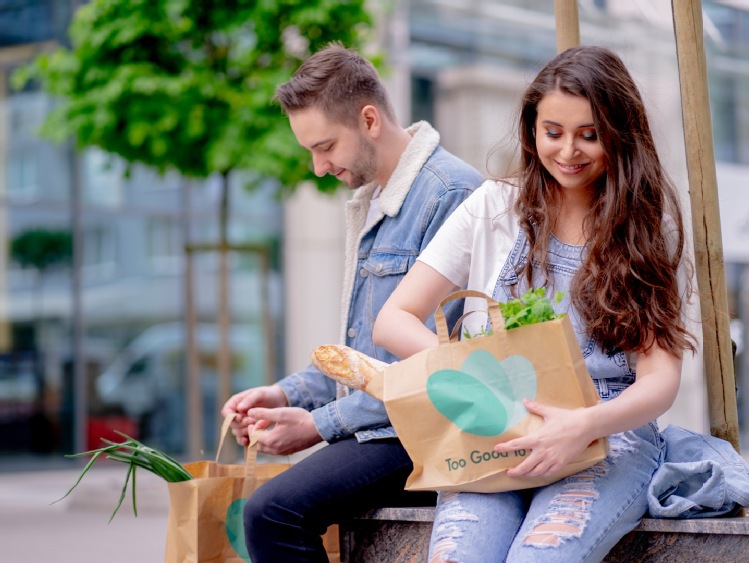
<point>424,141</point>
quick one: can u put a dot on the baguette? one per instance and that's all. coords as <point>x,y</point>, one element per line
<point>348,366</point>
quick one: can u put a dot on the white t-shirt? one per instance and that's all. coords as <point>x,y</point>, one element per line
<point>374,209</point>
<point>483,227</point>
<point>474,243</point>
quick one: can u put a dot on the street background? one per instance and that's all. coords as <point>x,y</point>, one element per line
<point>75,530</point>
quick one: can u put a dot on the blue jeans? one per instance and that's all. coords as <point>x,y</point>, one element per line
<point>285,518</point>
<point>579,518</point>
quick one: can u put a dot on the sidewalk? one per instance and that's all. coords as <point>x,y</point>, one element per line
<point>75,530</point>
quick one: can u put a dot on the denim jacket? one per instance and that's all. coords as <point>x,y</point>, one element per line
<point>426,186</point>
<point>702,477</point>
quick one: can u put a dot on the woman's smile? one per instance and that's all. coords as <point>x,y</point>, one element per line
<point>570,168</point>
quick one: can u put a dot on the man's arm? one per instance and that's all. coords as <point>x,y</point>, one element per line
<point>347,415</point>
<point>359,411</point>
<point>308,388</point>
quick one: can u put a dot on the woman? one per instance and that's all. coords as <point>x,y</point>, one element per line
<point>591,213</point>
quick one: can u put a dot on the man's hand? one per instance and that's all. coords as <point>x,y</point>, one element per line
<point>269,396</point>
<point>286,430</point>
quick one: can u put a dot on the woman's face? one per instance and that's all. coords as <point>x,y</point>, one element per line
<point>567,142</point>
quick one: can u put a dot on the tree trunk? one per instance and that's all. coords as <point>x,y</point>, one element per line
<point>194,395</point>
<point>223,361</point>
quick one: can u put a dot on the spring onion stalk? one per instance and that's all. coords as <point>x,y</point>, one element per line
<point>134,454</point>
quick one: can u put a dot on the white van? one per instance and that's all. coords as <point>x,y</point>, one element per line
<point>147,381</point>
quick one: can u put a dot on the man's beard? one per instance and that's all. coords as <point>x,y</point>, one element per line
<point>365,165</point>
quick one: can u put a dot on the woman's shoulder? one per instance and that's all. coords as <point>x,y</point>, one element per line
<point>494,197</point>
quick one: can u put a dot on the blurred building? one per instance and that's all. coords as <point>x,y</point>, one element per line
<point>116,306</point>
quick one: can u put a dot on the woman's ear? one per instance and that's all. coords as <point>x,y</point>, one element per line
<point>370,120</point>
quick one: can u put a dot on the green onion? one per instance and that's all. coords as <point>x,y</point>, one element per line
<point>134,454</point>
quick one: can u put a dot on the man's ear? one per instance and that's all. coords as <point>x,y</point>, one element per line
<point>370,121</point>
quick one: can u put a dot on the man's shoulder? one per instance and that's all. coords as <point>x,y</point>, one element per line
<point>444,169</point>
<point>442,158</point>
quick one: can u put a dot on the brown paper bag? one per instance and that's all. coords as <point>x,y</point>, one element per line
<point>450,405</point>
<point>205,513</point>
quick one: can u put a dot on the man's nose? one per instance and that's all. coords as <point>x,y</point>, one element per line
<point>321,165</point>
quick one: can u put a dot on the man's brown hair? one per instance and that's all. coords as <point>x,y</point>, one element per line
<point>337,81</point>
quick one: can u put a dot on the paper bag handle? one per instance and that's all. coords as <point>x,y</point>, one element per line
<point>224,431</point>
<point>250,452</point>
<point>455,333</point>
<point>495,315</point>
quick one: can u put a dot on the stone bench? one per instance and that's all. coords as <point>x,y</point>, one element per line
<point>400,535</point>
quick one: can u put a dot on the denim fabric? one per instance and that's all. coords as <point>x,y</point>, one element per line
<point>285,517</point>
<point>583,516</point>
<point>308,388</point>
<point>580,518</point>
<point>563,262</point>
<point>386,252</point>
<point>702,477</point>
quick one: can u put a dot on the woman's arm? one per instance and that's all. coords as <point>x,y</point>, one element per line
<point>658,378</point>
<point>566,433</point>
<point>400,324</point>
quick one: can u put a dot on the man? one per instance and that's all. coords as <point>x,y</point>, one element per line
<point>405,185</point>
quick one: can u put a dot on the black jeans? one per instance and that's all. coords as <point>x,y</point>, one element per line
<point>285,518</point>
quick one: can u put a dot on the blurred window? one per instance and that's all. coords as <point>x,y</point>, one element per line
<point>23,176</point>
<point>99,252</point>
<point>163,245</point>
<point>103,179</point>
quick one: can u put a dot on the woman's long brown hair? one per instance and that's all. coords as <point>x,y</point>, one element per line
<point>626,291</point>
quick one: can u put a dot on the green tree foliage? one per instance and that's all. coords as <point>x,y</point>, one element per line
<point>187,84</point>
<point>42,249</point>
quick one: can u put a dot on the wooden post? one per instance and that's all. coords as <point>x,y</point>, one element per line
<point>708,249</point>
<point>568,24</point>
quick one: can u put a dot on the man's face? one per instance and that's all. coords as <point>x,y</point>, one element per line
<point>344,152</point>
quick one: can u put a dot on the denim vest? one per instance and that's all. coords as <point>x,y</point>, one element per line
<point>610,371</point>
<point>385,254</point>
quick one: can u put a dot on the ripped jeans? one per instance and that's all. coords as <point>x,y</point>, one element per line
<point>580,518</point>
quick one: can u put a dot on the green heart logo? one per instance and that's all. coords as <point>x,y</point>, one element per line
<point>235,528</point>
<point>485,396</point>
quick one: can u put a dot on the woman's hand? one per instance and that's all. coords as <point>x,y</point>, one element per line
<point>566,433</point>
<point>563,437</point>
